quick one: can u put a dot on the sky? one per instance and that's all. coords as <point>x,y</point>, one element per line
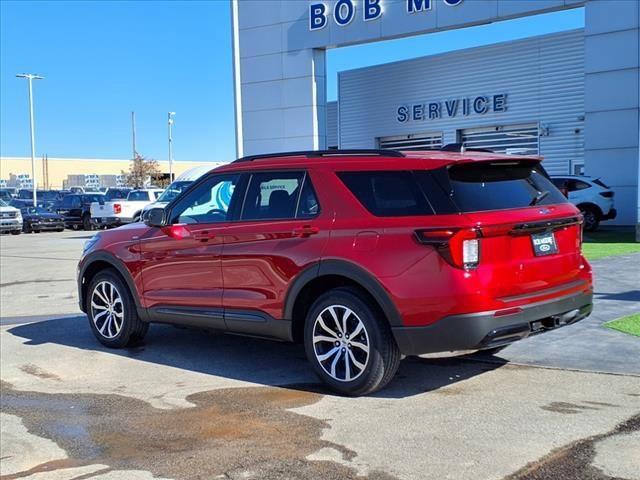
<point>104,59</point>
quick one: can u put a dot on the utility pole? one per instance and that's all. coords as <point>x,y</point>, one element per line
<point>170,124</point>
<point>133,134</point>
<point>30,77</point>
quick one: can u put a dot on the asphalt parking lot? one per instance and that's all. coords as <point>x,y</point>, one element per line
<point>189,404</point>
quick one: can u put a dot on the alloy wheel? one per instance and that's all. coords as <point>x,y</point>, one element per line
<point>341,343</point>
<point>107,309</point>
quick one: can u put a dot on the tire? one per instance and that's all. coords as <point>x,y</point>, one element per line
<point>27,229</point>
<point>591,218</point>
<point>86,222</point>
<point>16,232</point>
<point>60,230</point>
<point>370,370</point>
<point>120,326</point>
<point>74,227</point>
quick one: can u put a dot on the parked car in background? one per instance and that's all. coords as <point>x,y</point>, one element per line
<point>593,198</point>
<point>12,191</point>
<point>5,195</point>
<point>76,189</point>
<point>45,198</point>
<point>76,210</point>
<point>181,183</point>
<point>10,219</point>
<point>123,211</point>
<point>39,219</point>
<point>362,256</point>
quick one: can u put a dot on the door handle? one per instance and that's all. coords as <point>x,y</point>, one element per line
<point>204,236</point>
<point>305,231</point>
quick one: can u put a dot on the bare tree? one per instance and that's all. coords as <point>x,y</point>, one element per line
<point>141,172</point>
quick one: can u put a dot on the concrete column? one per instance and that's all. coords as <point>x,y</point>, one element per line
<point>612,107</point>
<point>280,93</point>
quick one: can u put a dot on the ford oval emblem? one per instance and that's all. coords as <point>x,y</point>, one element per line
<point>544,211</point>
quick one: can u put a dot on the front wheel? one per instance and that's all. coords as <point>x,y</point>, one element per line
<point>112,312</point>
<point>349,343</point>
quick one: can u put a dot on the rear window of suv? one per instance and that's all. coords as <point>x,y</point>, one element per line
<point>460,188</point>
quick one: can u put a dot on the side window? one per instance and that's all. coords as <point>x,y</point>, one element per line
<point>580,185</point>
<point>209,202</point>
<point>559,182</point>
<point>387,193</point>
<point>277,196</point>
<point>308,205</point>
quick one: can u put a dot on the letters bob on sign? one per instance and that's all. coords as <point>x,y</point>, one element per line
<point>345,11</point>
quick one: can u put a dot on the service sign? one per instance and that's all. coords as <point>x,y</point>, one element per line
<point>345,11</point>
<point>453,107</point>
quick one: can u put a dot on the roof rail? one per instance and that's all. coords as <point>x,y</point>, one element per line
<point>461,148</point>
<point>324,153</point>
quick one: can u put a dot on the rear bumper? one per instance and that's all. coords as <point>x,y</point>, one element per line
<point>613,213</point>
<point>477,331</point>
<point>111,221</point>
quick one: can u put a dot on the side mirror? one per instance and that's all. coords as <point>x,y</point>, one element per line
<point>155,218</point>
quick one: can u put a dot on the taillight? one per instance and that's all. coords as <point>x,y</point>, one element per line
<point>607,194</point>
<point>459,247</point>
<point>117,208</point>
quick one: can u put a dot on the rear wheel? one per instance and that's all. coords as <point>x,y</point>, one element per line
<point>86,222</point>
<point>591,218</point>
<point>349,343</point>
<point>112,312</point>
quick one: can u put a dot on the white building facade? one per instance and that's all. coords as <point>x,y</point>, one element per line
<point>572,97</point>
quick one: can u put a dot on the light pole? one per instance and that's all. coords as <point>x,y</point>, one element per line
<point>31,77</point>
<point>170,124</point>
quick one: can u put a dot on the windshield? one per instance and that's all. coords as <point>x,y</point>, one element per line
<point>33,210</point>
<point>93,198</point>
<point>173,190</point>
<point>3,203</point>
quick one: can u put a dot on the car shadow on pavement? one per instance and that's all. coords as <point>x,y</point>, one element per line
<point>250,359</point>
<point>630,296</point>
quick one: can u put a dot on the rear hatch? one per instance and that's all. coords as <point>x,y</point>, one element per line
<point>528,234</point>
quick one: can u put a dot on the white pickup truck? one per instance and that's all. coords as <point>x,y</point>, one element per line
<point>120,212</point>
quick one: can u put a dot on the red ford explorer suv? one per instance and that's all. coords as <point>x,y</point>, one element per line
<point>361,255</point>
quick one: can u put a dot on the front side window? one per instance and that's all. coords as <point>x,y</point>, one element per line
<point>209,202</point>
<point>278,196</point>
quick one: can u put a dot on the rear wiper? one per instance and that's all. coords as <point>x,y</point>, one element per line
<point>541,196</point>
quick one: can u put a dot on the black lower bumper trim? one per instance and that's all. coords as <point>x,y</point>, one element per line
<point>482,330</point>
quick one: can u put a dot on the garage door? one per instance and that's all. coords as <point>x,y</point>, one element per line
<point>417,141</point>
<point>515,139</point>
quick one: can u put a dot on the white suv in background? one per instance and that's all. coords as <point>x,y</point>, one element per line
<point>10,219</point>
<point>591,196</point>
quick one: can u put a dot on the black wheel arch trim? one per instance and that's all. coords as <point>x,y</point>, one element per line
<point>348,270</point>
<point>119,266</point>
<point>592,206</point>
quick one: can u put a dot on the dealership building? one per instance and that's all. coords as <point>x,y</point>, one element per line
<point>572,97</point>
